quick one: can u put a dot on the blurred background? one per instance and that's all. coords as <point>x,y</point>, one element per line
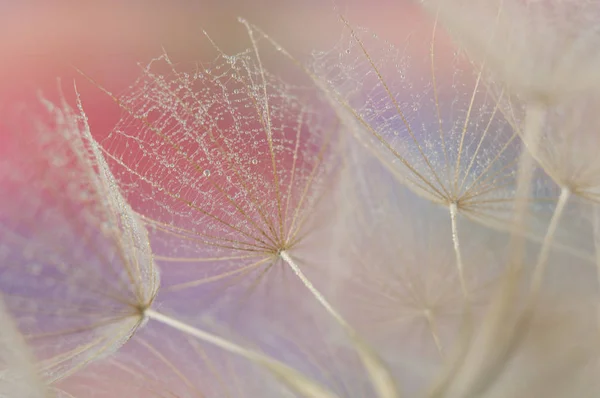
<point>41,41</point>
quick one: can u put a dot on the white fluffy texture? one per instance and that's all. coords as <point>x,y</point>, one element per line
<point>551,351</point>
<point>227,163</point>
<point>75,263</point>
<point>18,374</point>
<point>230,166</point>
<point>568,148</point>
<point>161,362</point>
<point>398,281</point>
<point>398,284</point>
<point>430,119</point>
<point>441,132</point>
<point>543,50</point>
<point>438,128</point>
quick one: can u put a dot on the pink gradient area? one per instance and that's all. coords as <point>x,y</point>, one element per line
<point>41,41</point>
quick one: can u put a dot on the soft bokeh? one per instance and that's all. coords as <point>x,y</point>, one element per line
<point>43,40</point>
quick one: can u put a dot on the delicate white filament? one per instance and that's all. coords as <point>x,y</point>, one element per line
<point>383,381</point>
<point>533,129</point>
<point>308,284</point>
<point>434,332</point>
<point>597,247</point>
<point>456,242</point>
<point>297,381</point>
<point>540,265</point>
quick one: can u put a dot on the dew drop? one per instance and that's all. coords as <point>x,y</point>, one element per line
<point>254,161</point>
<point>206,173</point>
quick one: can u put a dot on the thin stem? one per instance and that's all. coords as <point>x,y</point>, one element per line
<point>487,355</point>
<point>434,332</point>
<point>597,247</point>
<point>534,122</point>
<point>457,252</point>
<point>294,379</point>
<point>382,380</point>
<point>540,266</point>
<point>308,284</point>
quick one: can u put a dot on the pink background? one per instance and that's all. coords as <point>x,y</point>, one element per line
<point>42,40</point>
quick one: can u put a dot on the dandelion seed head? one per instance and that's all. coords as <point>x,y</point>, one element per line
<point>351,234</point>
<point>433,123</point>
<point>76,266</point>
<point>268,151</point>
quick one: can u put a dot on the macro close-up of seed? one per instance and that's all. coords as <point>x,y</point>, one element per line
<point>320,199</point>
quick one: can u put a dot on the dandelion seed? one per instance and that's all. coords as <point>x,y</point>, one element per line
<point>398,283</point>
<point>443,136</point>
<point>243,228</point>
<point>543,52</point>
<point>76,268</point>
<point>96,285</point>
<point>565,152</point>
<point>483,353</point>
<point>244,217</point>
